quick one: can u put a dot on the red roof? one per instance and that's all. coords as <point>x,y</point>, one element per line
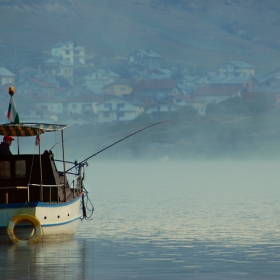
<point>42,83</point>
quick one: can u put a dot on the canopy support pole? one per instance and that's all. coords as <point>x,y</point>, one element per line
<point>64,167</point>
<point>18,144</point>
<point>41,174</point>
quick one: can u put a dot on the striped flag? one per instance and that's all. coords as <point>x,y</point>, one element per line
<point>12,114</point>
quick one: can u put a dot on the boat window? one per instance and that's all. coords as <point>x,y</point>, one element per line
<point>20,168</point>
<point>5,170</point>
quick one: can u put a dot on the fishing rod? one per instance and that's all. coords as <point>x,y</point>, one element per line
<point>118,142</point>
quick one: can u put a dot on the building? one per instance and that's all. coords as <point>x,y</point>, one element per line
<point>70,51</point>
<point>236,68</point>
<point>148,59</point>
<point>99,79</point>
<point>118,108</point>
<point>218,93</point>
<point>157,88</point>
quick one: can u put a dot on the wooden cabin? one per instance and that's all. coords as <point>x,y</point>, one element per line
<point>22,181</point>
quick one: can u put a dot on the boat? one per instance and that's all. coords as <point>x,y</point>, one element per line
<point>37,200</point>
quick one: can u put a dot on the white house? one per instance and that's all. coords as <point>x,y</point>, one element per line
<point>70,51</point>
<point>161,106</point>
<point>49,103</point>
<point>98,79</point>
<point>37,113</point>
<point>236,68</point>
<point>218,93</point>
<point>145,59</point>
<point>84,104</point>
<point>199,104</point>
<point>118,108</point>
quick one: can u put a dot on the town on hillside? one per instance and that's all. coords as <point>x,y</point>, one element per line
<point>74,87</point>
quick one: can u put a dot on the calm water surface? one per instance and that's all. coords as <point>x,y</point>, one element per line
<point>166,220</point>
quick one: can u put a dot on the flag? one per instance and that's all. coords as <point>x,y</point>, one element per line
<point>12,114</point>
<point>37,141</point>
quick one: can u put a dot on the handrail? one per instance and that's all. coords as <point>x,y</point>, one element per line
<point>39,185</point>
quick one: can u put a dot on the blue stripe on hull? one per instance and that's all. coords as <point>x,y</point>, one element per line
<point>59,224</point>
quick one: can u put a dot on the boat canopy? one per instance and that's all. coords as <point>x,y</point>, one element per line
<point>29,129</point>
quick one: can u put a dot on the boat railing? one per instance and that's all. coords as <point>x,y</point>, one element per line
<point>50,190</point>
<point>6,189</point>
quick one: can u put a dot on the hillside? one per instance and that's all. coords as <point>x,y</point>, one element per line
<point>197,35</point>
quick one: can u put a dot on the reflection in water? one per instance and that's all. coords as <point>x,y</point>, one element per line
<point>48,260</point>
<point>193,220</point>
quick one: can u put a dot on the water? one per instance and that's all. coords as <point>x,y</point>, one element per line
<point>166,220</point>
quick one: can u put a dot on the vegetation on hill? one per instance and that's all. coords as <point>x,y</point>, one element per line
<point>197,35</point>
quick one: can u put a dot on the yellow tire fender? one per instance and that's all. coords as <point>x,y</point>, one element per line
<point>34,238</point>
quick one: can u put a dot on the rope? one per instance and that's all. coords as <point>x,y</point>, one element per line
<point>31,169</point>
<point>28,207</point>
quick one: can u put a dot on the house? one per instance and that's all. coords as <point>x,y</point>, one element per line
<point>53,66</point>
<point>6,77</point>
<point>148,59</point>
<point>98,79</point>
<point>186,85</point>
<point>70,51</point>
<point>32,113</point>
<point>248,82</point>
<point>38,86</point>
<point>83,104</point>
<point>164,105</point>
<point>199,104</point>
<point>270,80</point>
<point>218,93</point>
<point>269,85</point>
<point>49,103</point>
<point>118,108</point>
<point>174,102</point>
<point>236,68</point>
<point>157,88</point>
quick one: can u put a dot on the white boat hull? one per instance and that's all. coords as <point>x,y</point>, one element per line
<point>58,220</point>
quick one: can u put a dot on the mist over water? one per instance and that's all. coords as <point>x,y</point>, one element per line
<point>166,220</point>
